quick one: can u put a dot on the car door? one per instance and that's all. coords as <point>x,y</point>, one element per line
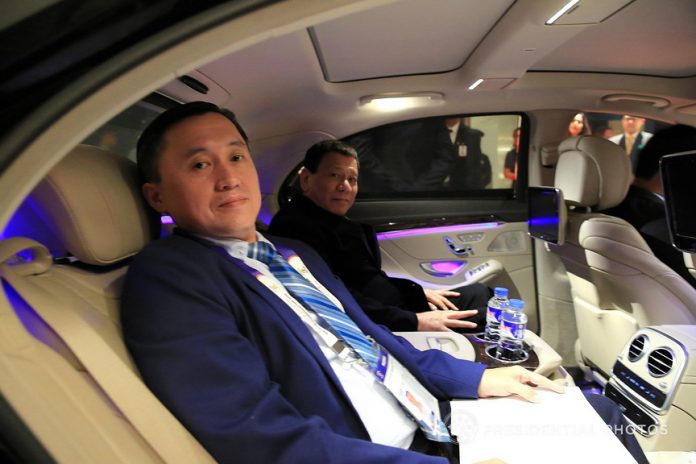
<point>446,218</point>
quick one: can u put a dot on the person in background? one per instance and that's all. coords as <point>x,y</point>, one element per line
<point>510,166</point>
<point>603,130</point>
<point>472,168</point>
<point>317,216</point>
<point>633,138</point>
<point>251,341</point>
<point>578,126</point>
<point>644,205</point>
<point>414,156</point>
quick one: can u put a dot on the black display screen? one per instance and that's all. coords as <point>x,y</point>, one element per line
<point>545,206</point>
<point>679,181</point>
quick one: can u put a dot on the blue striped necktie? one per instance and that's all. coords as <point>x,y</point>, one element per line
<point>314,300</point>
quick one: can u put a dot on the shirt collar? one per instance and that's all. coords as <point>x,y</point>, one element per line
<point>235,247</point>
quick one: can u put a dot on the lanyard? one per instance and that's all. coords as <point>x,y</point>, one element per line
<point>420,404</point>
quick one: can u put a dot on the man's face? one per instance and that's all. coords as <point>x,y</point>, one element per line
<point>334,184</point>
<point>631,124</point>
<point>516,140</point>
<point>208,182</point>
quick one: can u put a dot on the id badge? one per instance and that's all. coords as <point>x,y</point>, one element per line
<point>408,391</point>
<point>462,151</point>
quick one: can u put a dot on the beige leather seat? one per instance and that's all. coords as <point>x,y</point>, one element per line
<point>617,283</point>
<point>87,398</point>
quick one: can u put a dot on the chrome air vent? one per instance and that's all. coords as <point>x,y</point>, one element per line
<point>637,347</point>
<point>660,362</point>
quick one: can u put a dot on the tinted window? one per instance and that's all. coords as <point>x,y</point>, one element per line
<point>120,135</point>
<point>438,156</point>
<point>615,128</point>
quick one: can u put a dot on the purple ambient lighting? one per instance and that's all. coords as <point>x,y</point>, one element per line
<point>447,267</point>
<point>435,230</point>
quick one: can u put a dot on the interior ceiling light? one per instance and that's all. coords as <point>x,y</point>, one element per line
<point>562,11</point>
<point>475,84</point>
<point>400,101</point>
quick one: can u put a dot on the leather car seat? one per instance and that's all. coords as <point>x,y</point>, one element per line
<point>617,283</point>
<point>65,295</point>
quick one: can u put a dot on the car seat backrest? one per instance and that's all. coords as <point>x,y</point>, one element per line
<point>617,283</point>
<point>91,201</point>
<point>592,172</point>
<point>91,204</point>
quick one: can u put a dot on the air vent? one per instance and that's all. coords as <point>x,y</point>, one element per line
<point>660,362</point>
<point>637,348</point>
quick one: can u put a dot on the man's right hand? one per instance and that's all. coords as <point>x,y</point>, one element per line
<point>445,321</point>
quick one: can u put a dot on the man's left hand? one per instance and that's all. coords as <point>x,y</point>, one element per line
<point>437,299</point>
<point>514,380</point>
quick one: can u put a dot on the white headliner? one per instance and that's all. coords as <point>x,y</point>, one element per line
<point>288,83</point>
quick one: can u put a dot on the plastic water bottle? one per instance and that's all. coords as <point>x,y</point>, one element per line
<point>513,323</point>
<point>496,305</point>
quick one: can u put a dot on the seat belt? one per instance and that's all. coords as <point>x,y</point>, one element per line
<point>160,429</point>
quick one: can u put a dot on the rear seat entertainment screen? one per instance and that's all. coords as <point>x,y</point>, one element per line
<point>546,211</point>
<point>679,180</point>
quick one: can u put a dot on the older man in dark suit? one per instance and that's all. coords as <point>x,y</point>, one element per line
<point>329,183</point>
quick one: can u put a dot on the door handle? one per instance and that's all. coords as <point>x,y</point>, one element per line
<point>464,250</point>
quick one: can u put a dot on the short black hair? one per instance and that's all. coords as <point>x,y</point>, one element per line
<point>150,141</point>
<point>673,139</point>
<point>319,150</point>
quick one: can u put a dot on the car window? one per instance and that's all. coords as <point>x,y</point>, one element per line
<point>120,134</point>
<point>628,131</point>
<point>460,156</point>
<point>612,126</point>
<point>437,155</point>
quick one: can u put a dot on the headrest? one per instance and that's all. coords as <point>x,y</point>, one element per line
<point>592,171</point>
<point>91,201</point>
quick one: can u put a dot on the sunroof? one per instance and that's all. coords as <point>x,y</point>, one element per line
<point>390,40</point>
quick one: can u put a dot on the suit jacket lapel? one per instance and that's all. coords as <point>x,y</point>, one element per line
<point>281,309</point>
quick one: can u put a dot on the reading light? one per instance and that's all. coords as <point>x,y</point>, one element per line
<point>400,101</point>
<point>562,11</point>
<point>475,84</point>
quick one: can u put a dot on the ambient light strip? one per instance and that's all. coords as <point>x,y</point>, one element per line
<point>435,230</point>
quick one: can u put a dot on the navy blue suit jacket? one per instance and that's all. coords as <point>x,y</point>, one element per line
<point>243,373</point>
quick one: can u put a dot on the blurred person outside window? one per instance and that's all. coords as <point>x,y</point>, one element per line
<point>578,126</point>
<point>633,138</point>
<point>510,166</point>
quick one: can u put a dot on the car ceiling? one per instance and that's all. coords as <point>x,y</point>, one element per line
<point>286,70</point>
<point>619,56</point>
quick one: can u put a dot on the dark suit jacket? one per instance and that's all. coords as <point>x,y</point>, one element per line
<point>639,207</point>
<point>406,156</point>
<point>638,144</point>
<point>243,373</point>
<point>473,171</point>
<point>352,252</point>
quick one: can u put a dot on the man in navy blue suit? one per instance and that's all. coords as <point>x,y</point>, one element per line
<point>244,365</point>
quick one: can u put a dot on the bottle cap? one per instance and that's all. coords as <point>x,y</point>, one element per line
<point>516,304</point>
<point>501,292</point>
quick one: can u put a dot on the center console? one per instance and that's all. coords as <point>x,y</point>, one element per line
<point>654,382</point>
<point>543,359</point>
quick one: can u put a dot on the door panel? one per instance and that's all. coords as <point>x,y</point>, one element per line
<point>493,253</point>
